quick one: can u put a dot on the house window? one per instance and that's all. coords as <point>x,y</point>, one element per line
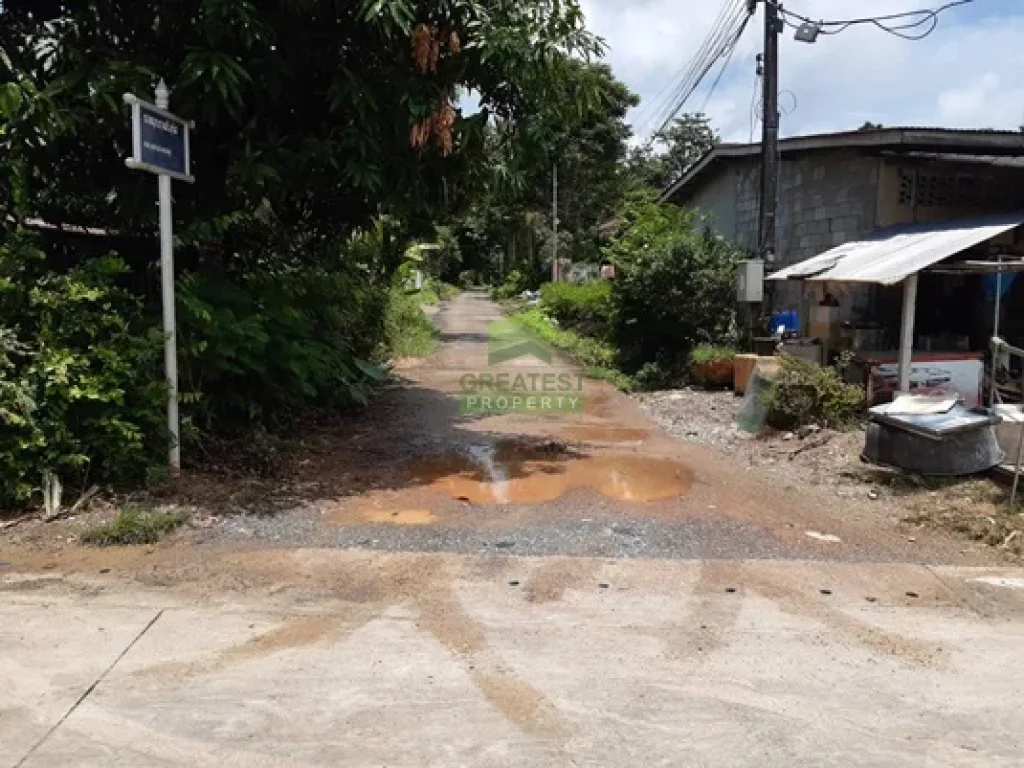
<point>935,189</point>
<point>960,190</point>
<point>906,187</point>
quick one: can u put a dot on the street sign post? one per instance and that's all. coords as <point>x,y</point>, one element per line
<point>160,145</point>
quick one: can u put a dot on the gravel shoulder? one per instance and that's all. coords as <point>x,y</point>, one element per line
<point>826,465</point>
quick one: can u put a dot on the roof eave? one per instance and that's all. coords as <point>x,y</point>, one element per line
<point>981,142</point>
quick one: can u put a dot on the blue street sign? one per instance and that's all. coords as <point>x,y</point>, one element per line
<point>160,140</point>
<point>163,141</point>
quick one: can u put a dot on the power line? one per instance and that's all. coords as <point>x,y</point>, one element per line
<point>700,63</point>
<point>725,64</point>
<point>717,43</point>
<point>923,16</point>
<point>685,72</point>
<point>721,45</point>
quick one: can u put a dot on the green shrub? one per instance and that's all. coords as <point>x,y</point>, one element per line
<point>408,333</point>
<point>711,353</point>
<point>587,307</point>
<point>132,526</point>
<point>468,278</point>
<point>653,376</point>
<point>597,357</point>
<point>447,291</point>
<point>807,393</point>
<point>259,346</point>
<point>515,283</point>
<point>82,392</point>
<point>674,286</point>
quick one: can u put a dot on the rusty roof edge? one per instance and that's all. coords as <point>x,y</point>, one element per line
<point>996,142</point>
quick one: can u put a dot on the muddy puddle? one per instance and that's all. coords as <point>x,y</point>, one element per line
<point>510,473</point>
<point>398,516</point>
<point>603,434</point>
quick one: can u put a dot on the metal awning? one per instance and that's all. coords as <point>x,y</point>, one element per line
<point>890,255</point>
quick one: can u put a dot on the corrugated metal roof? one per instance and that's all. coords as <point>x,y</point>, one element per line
<point>891,254</point>
<point>949,157</point>
<point>898,139</point>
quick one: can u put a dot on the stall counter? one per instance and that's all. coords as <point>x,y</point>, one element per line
<point>931,373</point>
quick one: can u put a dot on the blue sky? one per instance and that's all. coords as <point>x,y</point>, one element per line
<point>968,74</point>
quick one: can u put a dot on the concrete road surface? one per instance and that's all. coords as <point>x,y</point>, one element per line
<point>446,660</point>
<point>486,597</point>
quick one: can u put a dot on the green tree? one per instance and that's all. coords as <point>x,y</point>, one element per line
<point>674,150</point>
<point>674,287</point>
<point>328,135</point>
<point>583,130</point>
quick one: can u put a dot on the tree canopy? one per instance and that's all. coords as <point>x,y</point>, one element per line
<point>313,114</point>
<point>674,150</point>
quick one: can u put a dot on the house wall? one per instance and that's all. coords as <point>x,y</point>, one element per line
<point>718,204</point>
<point>825,199</point>
<point>920,190</point>
<point>829,197</point>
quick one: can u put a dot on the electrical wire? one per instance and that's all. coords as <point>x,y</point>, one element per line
<point>718,43</point>
<point>755,106</point>
<point>924,16</point>
<point>702,61</point>
<point>725,65</point>
<point>722,45</point>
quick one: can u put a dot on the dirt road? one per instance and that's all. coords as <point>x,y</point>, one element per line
<point>432,587</point>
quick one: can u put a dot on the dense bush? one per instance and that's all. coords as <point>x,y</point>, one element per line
<point>586,307</point>
<point>711,353</point>
<point>674,287</point>
<point>81,388</point>
<point>596,356</point>
<point>515,283</point>
<point>654,376</point>
<point>807,393</point>
<point>445,291</point>
<point>256,347</point>
<point>407,332</point>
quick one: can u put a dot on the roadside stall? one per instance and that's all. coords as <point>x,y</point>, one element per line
<point>921,352</point>
<point>851,305</point>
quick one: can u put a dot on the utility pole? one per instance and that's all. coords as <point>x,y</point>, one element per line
<point>769,134</point>
<point>554,223</point>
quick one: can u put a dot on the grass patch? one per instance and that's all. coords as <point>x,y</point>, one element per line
<point>597,357</point>
<point>132,526</point>
<point>703,354</point>
<point>447,291</point>
<point>409,333</point>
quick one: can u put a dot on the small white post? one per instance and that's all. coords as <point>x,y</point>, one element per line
<point>167,299</point>
<point>907,331</point>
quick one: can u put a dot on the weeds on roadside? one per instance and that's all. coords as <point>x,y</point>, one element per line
<point>409,333</point>
<point>133,525</point>
<point>808,393</point>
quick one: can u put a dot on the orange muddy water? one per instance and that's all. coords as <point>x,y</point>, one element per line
<point>603,434</point>
<point>509,473</point>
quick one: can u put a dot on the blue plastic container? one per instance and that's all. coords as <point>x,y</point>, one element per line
<point>789,320</point>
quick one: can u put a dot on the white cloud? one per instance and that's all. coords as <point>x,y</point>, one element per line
<point>965,74</point>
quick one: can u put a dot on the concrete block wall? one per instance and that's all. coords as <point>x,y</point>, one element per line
<point>825,199</point>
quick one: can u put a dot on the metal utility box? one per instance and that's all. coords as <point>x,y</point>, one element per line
<point>750,281</point>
